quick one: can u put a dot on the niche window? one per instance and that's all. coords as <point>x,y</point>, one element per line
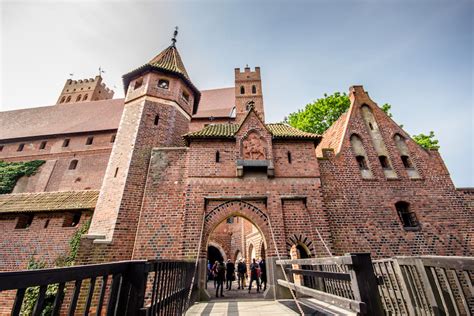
<point>138,83</point>
<point>20,147</point>
<point>157,120</point>
<point>42,145</point>
<point>78,98</point>
<point>371,126</point>
<point>112,138</point>
<point>46,224</point>
<point>68,99</point>
<point>73,164</point>
<point>406,162</point>
<point>254,89</point>
<point>89,140</point>
<point>85,97</point>
<point>242,90</point>
<point>185,96</point>
<point>24,221</point>
<point>63,99</point>
<point>218,156</point>
<point>66,142</point>
<point>362,163</point>
<point>72,219</point>
<point>288,154</point>
<point>407,217</point>
<point>384,162</point>
<point>163,84</point>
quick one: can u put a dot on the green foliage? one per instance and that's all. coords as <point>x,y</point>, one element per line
<point>10,172</point>
<point>426,141</point>
<point>31,293</point>
<point>318,116</point>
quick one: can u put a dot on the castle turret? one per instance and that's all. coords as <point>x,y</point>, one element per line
<point>160,99</point>
<point>248,93</point>
<point>92,89</point>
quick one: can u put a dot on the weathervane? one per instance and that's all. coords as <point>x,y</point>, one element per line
<point>101,71</point>
<point>173,40</point>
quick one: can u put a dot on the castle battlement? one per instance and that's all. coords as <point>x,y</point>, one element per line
<point>83,90</point>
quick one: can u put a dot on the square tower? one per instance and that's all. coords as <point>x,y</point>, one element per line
<point>248,93</point>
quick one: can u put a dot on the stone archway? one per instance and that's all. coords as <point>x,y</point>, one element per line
<point>218,247</point>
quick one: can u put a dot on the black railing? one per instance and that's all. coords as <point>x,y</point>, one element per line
<point>120,288</point>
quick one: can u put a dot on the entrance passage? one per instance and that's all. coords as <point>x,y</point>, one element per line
<point>237,246</point>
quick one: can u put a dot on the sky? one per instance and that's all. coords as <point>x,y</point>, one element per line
<point>416,55</point>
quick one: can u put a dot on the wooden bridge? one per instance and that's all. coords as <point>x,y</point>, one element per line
<point>352,284</point>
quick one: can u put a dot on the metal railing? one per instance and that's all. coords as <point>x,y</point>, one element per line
<point>120,288</point>
<point>347,282</point>
<point>426,285</point>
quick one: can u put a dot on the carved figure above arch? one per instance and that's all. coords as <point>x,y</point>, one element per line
<point>254,146</point>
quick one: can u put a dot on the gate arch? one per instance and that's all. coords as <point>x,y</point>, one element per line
<point>237,208</point>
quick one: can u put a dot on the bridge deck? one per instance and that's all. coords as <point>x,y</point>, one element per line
<point>247,308</point>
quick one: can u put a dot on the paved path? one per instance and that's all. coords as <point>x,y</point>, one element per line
<point>242,308</point>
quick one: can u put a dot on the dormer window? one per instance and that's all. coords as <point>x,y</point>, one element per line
<point>185,96</point>
<point>138,83</point>
<point>163,84</point>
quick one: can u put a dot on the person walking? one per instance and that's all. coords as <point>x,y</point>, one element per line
<point>254,267</point>
<point>241,271</point>
<point>214,272</point>
<point>263,274</point>
<point>230,275</point>
<point>220,278</point>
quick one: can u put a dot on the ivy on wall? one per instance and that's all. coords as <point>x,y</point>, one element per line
<point>31,294</point>
<point>10,172</point>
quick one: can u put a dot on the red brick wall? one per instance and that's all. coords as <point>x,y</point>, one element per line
<point>362,211</point>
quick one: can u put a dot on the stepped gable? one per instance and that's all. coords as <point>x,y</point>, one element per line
<point>333,136</point>
<point>53,120</point>
<point>217,103</point>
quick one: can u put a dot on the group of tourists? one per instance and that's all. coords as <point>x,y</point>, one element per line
<point>222,272</point>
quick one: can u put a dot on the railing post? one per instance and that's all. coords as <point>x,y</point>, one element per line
<point>137,275</point>
<point>364,283</point>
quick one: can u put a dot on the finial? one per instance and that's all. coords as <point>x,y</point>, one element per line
<point>101,71</point>
<point>173,40</point>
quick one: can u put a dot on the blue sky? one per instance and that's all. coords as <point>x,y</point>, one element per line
<point>415,55</point>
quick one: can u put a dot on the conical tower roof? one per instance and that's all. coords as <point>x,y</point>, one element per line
<point>170,60</point>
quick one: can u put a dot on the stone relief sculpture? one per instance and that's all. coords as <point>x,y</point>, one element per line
<point>253,147</point>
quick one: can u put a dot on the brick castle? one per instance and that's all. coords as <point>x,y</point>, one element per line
<point>158,171</point>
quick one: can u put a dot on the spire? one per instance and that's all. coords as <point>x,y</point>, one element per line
<point>170,60</point>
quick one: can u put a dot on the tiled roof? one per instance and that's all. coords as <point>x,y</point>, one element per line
<point>170,60</point>
<point>216,103</point>
<point>61,119</point>
<point>48,201</point>
<point>332,137</point>
<point>278,130</point>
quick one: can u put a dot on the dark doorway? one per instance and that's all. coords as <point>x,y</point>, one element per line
<point>303,254</point>
<point>213,255</point>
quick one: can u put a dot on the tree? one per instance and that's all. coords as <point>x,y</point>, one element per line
<point>426,141</point>
<point>318,116</point>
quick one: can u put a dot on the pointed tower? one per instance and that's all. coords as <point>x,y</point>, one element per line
<point>160,99</point>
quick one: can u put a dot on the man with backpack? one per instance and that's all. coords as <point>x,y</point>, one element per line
<point>220,277</point>
<point>254,275</point>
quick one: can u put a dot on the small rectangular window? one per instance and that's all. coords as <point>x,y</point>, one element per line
<point>24,221</point>
<point>42,145</point>
<point>66,142</point>
<point>406,162</point>
<point>384,162</point>
<point>72,219</point>
<point>89,140</point>
<point>1,147</point>
<point>20,147</point>
<point>138,83</point>
<point>112,138</point>
<point>163,84</point>
<point>361,162</point>
<point>157,120</point>
<point>185,96</point>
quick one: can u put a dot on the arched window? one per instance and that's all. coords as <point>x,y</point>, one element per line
<point>254,89</point>
<point>406,161</point>
<point>68,99</point>
<point>242,90</point>
<point>157,119</point>
<point>163,84</point>
<point>138,83</point>
<point>63,99</point>
<point>85,97</point>
<point>407,217</point>
<point>78,98</point>
<point>288,154</point>
<point>218,156</point>
<point>73,164</point>
<point>361,162</point>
